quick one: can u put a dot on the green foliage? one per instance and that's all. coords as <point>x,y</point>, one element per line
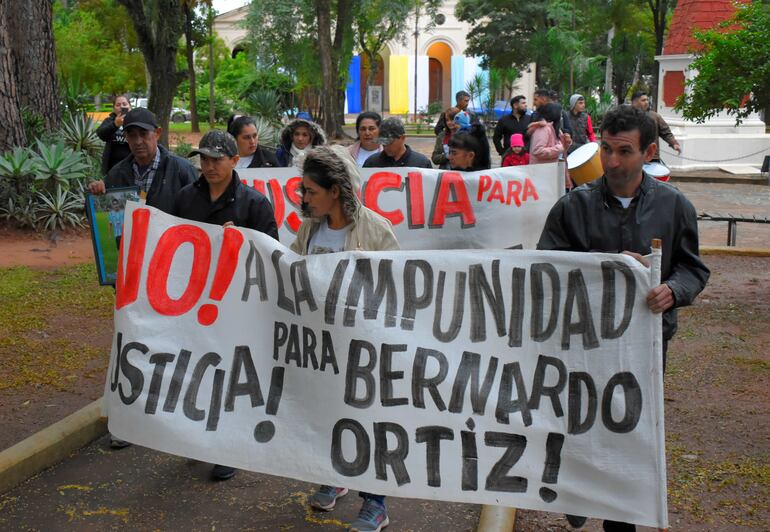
<point>56,165</point>
<point>182,148</point>
<point>59,208</point>
<point>96,45</point>
<point>222,109</point>
<point>34,124</point>
<point>264,103</point>
<point>733,66</point>
<point>79,133</point>
<point>267,132</point>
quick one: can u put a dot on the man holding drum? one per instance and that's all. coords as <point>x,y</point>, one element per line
<point>622,212</point>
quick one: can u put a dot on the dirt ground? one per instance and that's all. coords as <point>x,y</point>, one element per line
<point>717,387</point>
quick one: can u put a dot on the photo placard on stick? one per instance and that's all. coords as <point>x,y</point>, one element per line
<point>105,216</point>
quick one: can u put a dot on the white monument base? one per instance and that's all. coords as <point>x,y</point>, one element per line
<point>717,144</point>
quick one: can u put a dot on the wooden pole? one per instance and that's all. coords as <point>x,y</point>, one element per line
<point>496,519</point>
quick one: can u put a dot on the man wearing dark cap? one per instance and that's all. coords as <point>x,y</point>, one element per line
<point>158,173</point>
<point>219,197</point>
<point>395,152</point>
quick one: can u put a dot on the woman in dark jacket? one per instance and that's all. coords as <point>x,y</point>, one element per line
<point>252,155</point>
<point>297,138</point>
<point>111,132</point>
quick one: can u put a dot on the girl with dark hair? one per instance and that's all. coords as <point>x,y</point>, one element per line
<point>252,155</point>
<point>469,150</point>
<point>336,221</point>
<point>367,142</point>
<point>547,141</point>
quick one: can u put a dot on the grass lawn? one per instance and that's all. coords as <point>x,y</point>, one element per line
<point>48,323</point>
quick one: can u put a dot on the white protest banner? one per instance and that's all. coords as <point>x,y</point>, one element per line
<point>436,209</point>
<point>515,378</point>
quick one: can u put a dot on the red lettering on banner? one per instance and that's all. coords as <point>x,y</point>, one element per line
<point>160,265</point>
<point>279,206</point>
<point>529,190</point>
<point>228,260</point>
<point>497,192</point>
<point>451,183</point>
<point>259,185</point>
<point>127,283</point>
<point>514,189</point>
<point>292,192</point>
<point>415,203</point>
<point>378,182</point>
<point>485,182</point>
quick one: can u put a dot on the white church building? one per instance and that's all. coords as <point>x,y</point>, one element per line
<point>441,68</point>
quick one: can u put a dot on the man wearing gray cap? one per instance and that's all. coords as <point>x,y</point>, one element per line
<point>158,173</point>
<point>219,197</point>
<point>395,152</point>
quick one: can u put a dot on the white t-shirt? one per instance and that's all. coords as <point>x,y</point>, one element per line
<point>327,240</point>
<point>625,202</point>
<point>244,162</point>
<point>363,155</point>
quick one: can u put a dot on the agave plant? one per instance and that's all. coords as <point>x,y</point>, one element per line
<point>57,165</point>
<point>264,103</point>
<point>266,132</point>
<point>58,209</point>
<point>79,133</point>
<point>19,209</point>
<point>16,167</point>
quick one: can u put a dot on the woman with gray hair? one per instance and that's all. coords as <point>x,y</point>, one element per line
<point>336,221</point>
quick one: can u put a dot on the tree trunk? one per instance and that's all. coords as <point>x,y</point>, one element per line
<point>30,28</point>
<point>328,73</point>
<point>659,10</point>
<point>212,96</point>
<point>158,26</point>
<point>12,130</point>
<point>188,13</point>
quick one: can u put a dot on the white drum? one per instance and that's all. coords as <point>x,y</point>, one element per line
<point>585,164</point>
<point>657,170</point>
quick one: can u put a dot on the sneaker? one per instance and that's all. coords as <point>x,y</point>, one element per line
<point>576,521</point>
<point>220,472</point>
<point>117,443</point>
<point>326,497</point>
<point>372,518</point>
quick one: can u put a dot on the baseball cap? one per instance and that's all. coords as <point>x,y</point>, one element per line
<point>140,117</point>
<point>390,129</point>
<point>216,144</point>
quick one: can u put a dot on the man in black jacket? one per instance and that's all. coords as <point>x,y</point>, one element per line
<point>516,122</point>
<point>158,173</point>
<point>395,152</point>
<point>621,213</point>
<point>219,197</point>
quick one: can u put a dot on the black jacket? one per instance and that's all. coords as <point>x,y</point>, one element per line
<point>242,205</point>
<point>263,158</point>
<point>173,173</point>
<point>591,219</point>
<point>507,126</point>
<point>115,146</point>
<point>411,158</point>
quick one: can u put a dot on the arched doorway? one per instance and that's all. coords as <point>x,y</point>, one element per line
<point>440,73</point>
<point>435,80</point>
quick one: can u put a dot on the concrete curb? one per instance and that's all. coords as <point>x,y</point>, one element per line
<point>734,251</point>
<point>51,445</point>
<point>736,180</point>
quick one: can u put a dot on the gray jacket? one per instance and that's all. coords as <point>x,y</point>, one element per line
<point>591,219</point>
